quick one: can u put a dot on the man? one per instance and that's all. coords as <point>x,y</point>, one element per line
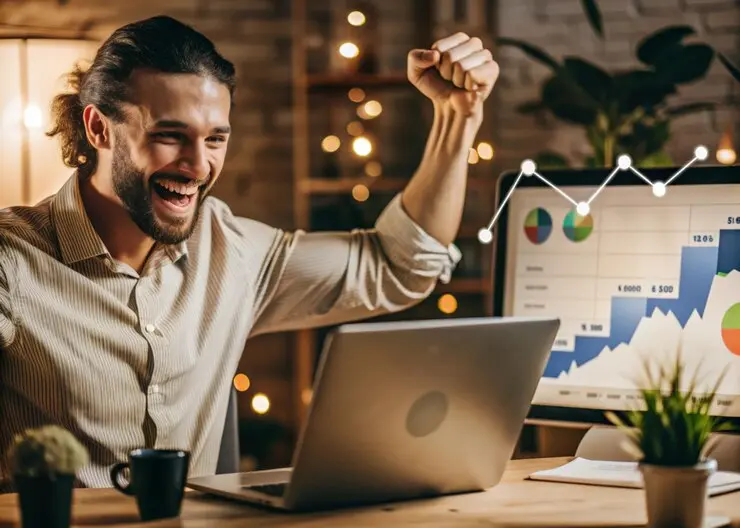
<point>127,297</point>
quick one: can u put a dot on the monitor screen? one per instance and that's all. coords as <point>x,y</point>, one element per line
<point>636,279</point>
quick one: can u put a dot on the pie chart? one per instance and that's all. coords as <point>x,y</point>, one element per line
<point>577,228</point>
<point>538,225</point>
<point>731,329</point>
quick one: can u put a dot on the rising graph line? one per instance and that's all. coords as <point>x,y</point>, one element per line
<point>624,162</point>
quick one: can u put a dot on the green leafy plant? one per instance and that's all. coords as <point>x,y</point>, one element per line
<point>622,112</point>
<point>675,426</point>
<point>47,451</point>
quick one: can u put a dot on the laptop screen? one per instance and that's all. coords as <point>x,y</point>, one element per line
<point>637,279</point>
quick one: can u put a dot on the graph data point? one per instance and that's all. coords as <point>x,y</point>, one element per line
<point>701,152</point>
<point>624,162</point>
<point>583,208</point>
<point>528,167</point>
<point>659,189</point>
<point>485,235</point>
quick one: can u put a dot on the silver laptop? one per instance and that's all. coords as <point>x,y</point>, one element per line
<point>405,410</point>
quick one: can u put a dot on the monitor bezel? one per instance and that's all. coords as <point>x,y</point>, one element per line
<point>694,175</point>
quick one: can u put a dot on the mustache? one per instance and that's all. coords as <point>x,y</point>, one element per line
<point>179,178</point>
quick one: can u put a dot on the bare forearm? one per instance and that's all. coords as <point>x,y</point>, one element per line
<point>435,196</point>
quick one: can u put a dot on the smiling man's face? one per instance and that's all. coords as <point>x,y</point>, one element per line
<point>170,150</point>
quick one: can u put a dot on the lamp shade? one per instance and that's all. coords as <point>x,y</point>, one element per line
<point>31,166</point>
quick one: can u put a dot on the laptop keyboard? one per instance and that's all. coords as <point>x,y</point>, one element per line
<point>274,490</point>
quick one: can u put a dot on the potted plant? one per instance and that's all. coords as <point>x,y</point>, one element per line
<point>44,463</point>
<point>622,112</point>
<point>670,438</point>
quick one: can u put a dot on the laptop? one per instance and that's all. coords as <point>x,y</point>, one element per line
<point>406,410</point>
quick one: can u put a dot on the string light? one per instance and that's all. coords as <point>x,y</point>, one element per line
<point>360,192</point>
<point>362,146</point>
<point>485,150</point>
<point>373,108</point>
<point>242,382</point>
<point>373,169</point>
<point>330,144</point>
<point>349,50</point>
<point>355,128</point>
<point>356,18</point>
<point>260,403</point>
<point>356,95</point>
<point>473,156</point>
<point>447,304</point>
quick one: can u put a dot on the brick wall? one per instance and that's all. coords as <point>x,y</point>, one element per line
<point>560,27</point>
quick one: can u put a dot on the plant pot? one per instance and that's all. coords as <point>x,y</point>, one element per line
<point>676,496</point>
<point>45,501</point>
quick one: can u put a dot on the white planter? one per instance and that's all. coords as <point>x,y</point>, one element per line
<point>676,497</point>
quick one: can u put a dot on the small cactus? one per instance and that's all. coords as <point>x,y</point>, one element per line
<point>47,451</point>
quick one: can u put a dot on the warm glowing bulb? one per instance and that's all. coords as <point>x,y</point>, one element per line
<point>362,146</point>
<point>32,117</point>
<point>356,18</point>
<point>447,303</point>
<point>360,192</point>
<point>260,403</point>
<point>349,50</point>
<point>330,144</point>
<point>726,156</point>
<point>373,108</point>
<point>373,169</point>
<point>355,128</point>
<point>356,95</point>
<point>241,382</point>
<point>485,150</point>
<point>473,156</point>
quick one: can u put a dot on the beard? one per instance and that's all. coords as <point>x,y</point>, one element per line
<point>131,187</point>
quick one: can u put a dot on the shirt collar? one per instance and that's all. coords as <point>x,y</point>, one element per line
<point>77,237</point>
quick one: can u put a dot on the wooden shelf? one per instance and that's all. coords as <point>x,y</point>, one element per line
<point>341,81</point>
<point>345,185</point>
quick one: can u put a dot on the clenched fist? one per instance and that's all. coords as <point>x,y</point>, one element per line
<point>457,70</point>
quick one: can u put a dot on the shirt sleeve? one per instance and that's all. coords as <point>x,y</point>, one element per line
<point>7,327</point>
<point>325,278</point>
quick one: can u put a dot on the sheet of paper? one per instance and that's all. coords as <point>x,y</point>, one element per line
<point>621,474</point>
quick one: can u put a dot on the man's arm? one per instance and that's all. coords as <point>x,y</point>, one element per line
<point>324,278</point>
<point>321,279</point>
<point>457,75</point>
<point>7,328</point>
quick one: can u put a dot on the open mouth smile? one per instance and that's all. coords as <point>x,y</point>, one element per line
<point>176,196</point>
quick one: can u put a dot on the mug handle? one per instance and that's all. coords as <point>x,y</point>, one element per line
<point>115,472</point>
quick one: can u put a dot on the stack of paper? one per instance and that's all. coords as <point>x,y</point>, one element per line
<point>622,474</point>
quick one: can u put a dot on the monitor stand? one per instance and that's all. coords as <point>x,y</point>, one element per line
<point>605,443</point>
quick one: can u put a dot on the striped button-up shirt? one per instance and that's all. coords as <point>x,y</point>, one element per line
<point>125,360</point>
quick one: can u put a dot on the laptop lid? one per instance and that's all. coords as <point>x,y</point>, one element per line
<point>417,408</point>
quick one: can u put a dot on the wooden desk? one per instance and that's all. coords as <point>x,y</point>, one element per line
<point>514,502</point>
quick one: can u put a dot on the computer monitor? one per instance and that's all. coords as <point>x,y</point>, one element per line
<point>634,278</point>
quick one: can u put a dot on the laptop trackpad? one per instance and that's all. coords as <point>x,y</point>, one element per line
<point>270,476</point>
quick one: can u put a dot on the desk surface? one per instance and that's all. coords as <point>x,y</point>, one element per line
<point>514,502</point>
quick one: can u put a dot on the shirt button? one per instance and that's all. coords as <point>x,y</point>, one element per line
<point>150,328</point>
<point>154,389</point>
